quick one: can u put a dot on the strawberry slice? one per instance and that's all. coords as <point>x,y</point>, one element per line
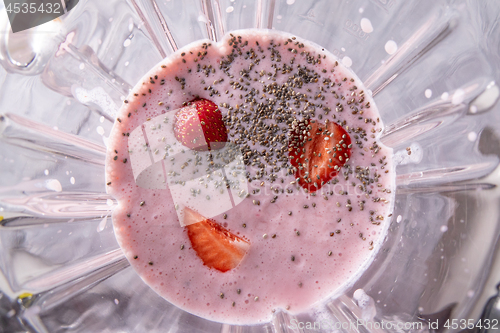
<point>199,126</point>
<point>216,246</point>
<point>317,152</point>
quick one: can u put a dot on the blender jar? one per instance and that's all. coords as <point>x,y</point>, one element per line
<point>432,69</point>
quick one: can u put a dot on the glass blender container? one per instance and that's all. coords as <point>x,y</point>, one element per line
<point>432,69</point>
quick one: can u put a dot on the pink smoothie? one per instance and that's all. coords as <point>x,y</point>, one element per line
<point>304,247</point>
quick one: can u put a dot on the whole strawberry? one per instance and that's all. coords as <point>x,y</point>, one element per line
<point>199,126</point>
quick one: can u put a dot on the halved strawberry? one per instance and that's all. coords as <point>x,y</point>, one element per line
<point>199,126</point>
<point>317,152</point>
<point>216,246</point>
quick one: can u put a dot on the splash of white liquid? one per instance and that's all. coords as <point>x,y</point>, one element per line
<point>472,136</point>
<point>346,61</point>
<point>97,96</point>
<point>458,97</point>
<point>102,224</point>
<point>366,25</point>
<point>53,184</point>
<point>391,47</point>
<point>487,99</point>
<point>366,304</point>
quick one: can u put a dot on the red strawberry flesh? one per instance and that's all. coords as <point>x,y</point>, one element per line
<point>317,152</point>
<point>216,246</point>
<point>199,126</point>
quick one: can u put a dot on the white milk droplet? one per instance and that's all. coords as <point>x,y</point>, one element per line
<point>399,218</point>
<point>428,93</point>
<point>126,43</point>
<point>101,119</point>
<point>46,172</point>
<point>202,18</point>
<point>361,10</point>
<point>472,136</point>
<point>342,49</point>
<point>290,2</point>
<point>444,228</point>
<point>346,61</point>
<point>72,180</point>
<point>445,96</point>
<point>127,63</point>
<point>53,184</point>
<point>229,9</point>
<point>366,304</point>
<point>458,97</point>
<point>487,99</point>
<point>100,130</point>
<point>98,96</point>
<point>279,17</point>
<point>117,301</point>
<point>102,224</point>
<point>110,19</point>
<point>366,25</point>
<point>82,66</point>
<point>391,47</point>
<point>109,202</point>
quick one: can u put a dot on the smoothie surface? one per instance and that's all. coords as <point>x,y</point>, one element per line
<point>304,245</point>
